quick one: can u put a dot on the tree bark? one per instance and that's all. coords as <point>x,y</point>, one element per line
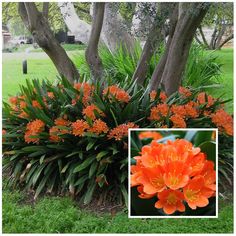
<point>178,52</point>
<point>76,26</point>
<point>115,31</point>
<point>45,9</point>
<point>40,30</point>
<point>154,39</point>
<point>92,57</point>
<point>157,74</point>
<point>220,35</point>
<point>203,37</point>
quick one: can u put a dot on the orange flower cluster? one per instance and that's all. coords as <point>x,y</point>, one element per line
<point>56,131</point>
<point>79,127</point>
<point>119,94</point>
<point>87,91</point>
<point>223,120</point>
<point>36,104</point>
<point>174,172</point>
<point>203,98</point>
<point>121,131</point>
<point>150,134</point>
<point>184,92</point>
<point>99,127</point>
<point>89,112</point>
<point>33,129</point>
<point>158,112</point>
<point>162,96</point>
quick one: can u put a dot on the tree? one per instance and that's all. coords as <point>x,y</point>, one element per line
<point>176,52</point>
<point>39,27</point>
<point>219,20</point>
<point>91,53</point>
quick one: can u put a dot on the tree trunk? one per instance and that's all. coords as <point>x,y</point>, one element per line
<point>115,31</point>
<point>91,53</point>
<point>45,9</point>
<point>225,41</point>
<point>153,41</point>
<point>220,35</point>
<point>76,26</point>
<point>157,74</point>
<point>40,30</point>
<point>178,52</point>
<point>203,37</point>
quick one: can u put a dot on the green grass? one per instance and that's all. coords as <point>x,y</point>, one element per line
<point>12,74</point>
<point>61,215</point>
<point>225,57</point>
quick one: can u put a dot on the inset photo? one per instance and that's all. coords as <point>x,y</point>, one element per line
<point>173,173</point>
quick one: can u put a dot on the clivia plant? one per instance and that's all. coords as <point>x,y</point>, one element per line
<point>68,138</point>
<point>177,175</point>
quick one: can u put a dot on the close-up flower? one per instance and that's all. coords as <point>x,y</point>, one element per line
<point>175,172</point>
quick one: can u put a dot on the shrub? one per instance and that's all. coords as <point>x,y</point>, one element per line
<point>64,138</point>
<point>202,67</point>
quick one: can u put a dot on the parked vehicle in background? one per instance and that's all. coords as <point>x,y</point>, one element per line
<point>19,40</point>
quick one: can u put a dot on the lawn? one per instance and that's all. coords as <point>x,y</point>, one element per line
<point>61,215</point>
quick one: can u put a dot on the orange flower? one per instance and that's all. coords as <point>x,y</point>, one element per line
<point>176,171</point>
<point>223,121</point>
<point>184,91</point>
<point>152,180</point>
<point>4,132</point>
<point>144,195</point>
<point>171,201</point>
<point>190,109</point>
<point>118,93</point>
<point>163,96</point>
<point>176,174</point>
<point>51,95</point>
<point>34,128</point>
<point>203,98</point>
<point>79,127</point>
<point>54,131</point>
<point>196,194</point>
<point>89,111</point>
<point>99,127</point>
<point>150,134</point>
<point>13,100</point>
<point>153,95</point>
<point>178,110</point>
<point>36,104</point>
<point>159,111</point>
<point>62,122</point>
<point>87,91</point>
<point>121,131</point>
<point>178,121</point>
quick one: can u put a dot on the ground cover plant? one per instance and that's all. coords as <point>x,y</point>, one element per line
<point>81,121</point>
<point>173,173</point>
<point>61,215</point>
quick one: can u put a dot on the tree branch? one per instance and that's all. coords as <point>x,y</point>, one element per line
<point>225,41</point>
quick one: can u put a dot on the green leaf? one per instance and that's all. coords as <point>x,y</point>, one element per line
<point>93,169</point>
<point>101,154</point>
<point>209,148</point>
<point>85,164</point>
<point>90,145</point>
<point>89,194</point>
<point>201,137</point>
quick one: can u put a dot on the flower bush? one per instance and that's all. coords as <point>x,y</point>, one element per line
<point>73,138</point>
<point>175,172</point>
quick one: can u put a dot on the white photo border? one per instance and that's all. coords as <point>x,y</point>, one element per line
<point>170,129</point>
